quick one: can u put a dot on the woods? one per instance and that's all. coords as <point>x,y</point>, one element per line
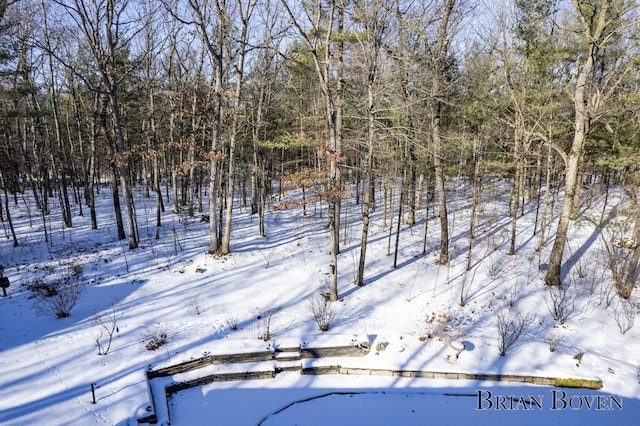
<point>377,102</point>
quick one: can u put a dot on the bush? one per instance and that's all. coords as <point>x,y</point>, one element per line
<point>232,322</point>
<point>76,269</point>
<point>434,324</point>
<point>563,302</point>
<point>553,340</point>
<point>624,314</point>
<point>58,297</point>
<point>324,312</point>
<point>618,251</point>
<point>510,324</point>
<point>263,324</point>
<point>156,337</point>
<point>41,289</point>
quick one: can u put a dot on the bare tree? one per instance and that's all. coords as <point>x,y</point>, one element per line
<point>245,11</point>
<point>265,72</point>
<point>372,17</point>
<point>105,35</point>
<point>211,19</point>
<point>150,129</point>
<point>320,41</point>
<point>57,151</point>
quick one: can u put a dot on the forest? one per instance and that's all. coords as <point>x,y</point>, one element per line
<point>208,104</point>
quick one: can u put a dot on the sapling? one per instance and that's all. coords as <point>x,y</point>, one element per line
<point>232,322</point>
<point>553,339</point>
<point>195,305</point>
<point>624,313</point>
<point>510,325</point>
<point>263,324</point>
<point>563,302</point>
<point>267,257</point>
<point>108,323</point>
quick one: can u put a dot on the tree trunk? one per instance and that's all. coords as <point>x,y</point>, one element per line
<point>475,175</point>
<point>115,194</point>
<point>437,90</point>
<point>6,206</point>
<point>319,44</point>
<point>369,182</point>
<point>61,175</point>
<point>426,216</point>
<point>255,134</point>
<point>239,75</point>
<point>515,192</point>
<point>90,184</point>
<point>123,171</point>
<point>397,244</point>
<point>592,32</point>
<point>630,277</point>
<point>545,201</point>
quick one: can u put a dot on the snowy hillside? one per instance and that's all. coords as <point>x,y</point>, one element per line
<point>171,287</point>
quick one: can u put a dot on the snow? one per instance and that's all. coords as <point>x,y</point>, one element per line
<point>171,285</point>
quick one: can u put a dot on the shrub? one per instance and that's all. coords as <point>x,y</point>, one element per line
<point>41,289</point>
<point>58,297</point>
<point>563,302</point>
<point>156,337</point>
<point>232,322</point>
<point>76,269</point>
<point>323,311</point>
<point>195,305</point>
<point>553,340</point>
<point>434,324</point>
<point>624,313</point>
<point>618,249</point>
<point>510,324</point>
<point>263,324</point>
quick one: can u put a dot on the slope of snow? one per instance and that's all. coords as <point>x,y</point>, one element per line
<point>172,286</point>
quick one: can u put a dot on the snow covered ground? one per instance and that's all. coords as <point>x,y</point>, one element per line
<point>171,286</point>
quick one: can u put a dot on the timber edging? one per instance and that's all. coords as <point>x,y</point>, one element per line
<point>167,391</point>
<point>593,384</point>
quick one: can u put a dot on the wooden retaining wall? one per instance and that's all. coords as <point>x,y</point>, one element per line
<point>225,377</point>
<point>299,353</point>
<point>418,374</point>
<point>195,364</point>
<point>291,354</point>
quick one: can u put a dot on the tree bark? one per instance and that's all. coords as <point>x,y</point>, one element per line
<point>437,89</point>
<point>6,206</point>
<point>592,32</point>
<point>321,52</point>
<point>239,75</point>
<point>103,46</point>
<point>630,277</point>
